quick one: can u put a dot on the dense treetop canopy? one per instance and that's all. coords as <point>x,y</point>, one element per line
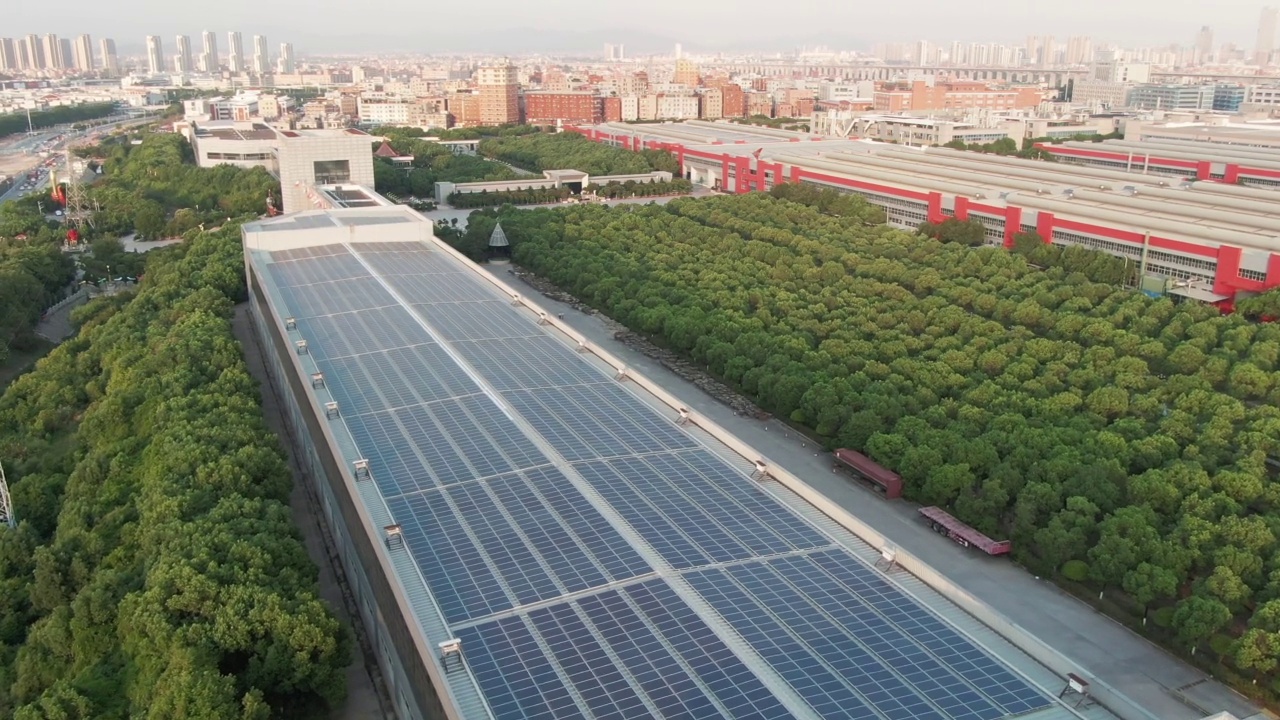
<point>155,571</point>
<point>571,151</point>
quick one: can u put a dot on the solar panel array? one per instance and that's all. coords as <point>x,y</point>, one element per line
<point>596,560</point>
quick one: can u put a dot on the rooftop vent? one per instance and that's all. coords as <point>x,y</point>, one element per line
<point>684,417</point>
<point>362,469</point>
<point>290,323</point>
<point>450,651</point>
<point>331,410</point>
<point>394,536</point>
<point>762,470</point>
<point>302,347</point>
<point>317,380</point>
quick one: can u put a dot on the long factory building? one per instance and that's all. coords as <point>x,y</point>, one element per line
<point>1199,159</point>
<point>532,530</point>
<point>1195,237</point>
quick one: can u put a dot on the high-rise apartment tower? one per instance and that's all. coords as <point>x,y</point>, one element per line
<point>499,94</point>
<point>155,55</point>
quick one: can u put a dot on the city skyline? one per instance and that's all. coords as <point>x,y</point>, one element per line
<point>706,27</point>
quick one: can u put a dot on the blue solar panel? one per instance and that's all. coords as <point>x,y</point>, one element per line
<point>639,652</point>
<point>441,443</point>
<point>338,296</point>
<point>601,420</point>
<point>517,678</point>
<point>310,270</point>
<point>397,378</point>
<point>523,363</point>
<point>793,611</point>
<point>355,333</point>
<point>478,321</point>
<point>610,549</point>
<point>985,672</point>
<point>463,583</point>
<point>502,536</point>
<point>696,523</point>
<point>736,688</point>
<point>511,542</point>
<point>413,261</point>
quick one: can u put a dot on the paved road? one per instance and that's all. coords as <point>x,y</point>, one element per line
<point>1102,648</point>
<point>27,144</point>
<point>55,326</point>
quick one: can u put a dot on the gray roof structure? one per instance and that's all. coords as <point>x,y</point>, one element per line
<point>1196,211</point>
<point>498,238</point>
<point>1265,158</point>
<point>595,557</point>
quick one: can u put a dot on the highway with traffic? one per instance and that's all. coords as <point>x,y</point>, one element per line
<point>29,158</point>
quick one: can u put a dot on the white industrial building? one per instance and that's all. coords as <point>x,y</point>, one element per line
<point>299,158</point>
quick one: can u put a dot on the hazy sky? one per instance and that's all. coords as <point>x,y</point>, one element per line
<point>647,25</point>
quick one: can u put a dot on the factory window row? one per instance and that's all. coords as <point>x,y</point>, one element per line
<point>1255,275</point>
<point>1210,265</point>
<point>1259,181</point>
<point>1177,272</point>
<point>987,138</point>
<point>1110,247</point>
<point>906,217</point>
<point>237,156</point>
<point>884,201</point>
<point>1136,166</point>
<point>992,228</point>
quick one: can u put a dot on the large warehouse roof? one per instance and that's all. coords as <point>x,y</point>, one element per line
<point>1189,151</point>
<point>595,557</point>
<point>1136,202</point>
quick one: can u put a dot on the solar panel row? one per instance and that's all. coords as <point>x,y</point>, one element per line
<point>806,616</point>
<point>495,526</point>
<point>485,547</point>
<point>636,652</point>
<point>696,523</point>
<point>443,443</point>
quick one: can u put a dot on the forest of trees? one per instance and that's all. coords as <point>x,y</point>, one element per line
<point>1029,151</point>
<point>1120,441</point>
<point>34,273</point>
<point>524,196</point>
<point>16,122</point>
<point>631,188</point>
<point>571,151</point>
<point>155,571</point>
<point>777,123</point>
<point>156,190</point>
<point>432,163</point>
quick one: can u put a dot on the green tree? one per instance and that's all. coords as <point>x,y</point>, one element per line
<point>1197,618</point>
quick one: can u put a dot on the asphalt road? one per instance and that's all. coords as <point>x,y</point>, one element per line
<point>26,145</point>
<point>1102,648</point>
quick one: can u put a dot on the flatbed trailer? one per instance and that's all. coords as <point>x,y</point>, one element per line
<point>885,481</point>
<point>944,523</point>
